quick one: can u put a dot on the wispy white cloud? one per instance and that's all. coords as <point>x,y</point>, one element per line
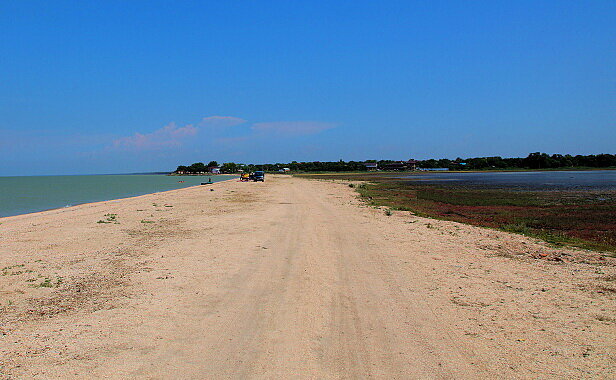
<point>168,136</point>
<point>174,136</point>
<point>293,128</point>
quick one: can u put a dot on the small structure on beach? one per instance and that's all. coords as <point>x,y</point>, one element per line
<point>371,166</point>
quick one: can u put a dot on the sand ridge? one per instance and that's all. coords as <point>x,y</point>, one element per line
<point>292,278</point>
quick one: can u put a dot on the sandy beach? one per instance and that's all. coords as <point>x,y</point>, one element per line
<point>292,278</point>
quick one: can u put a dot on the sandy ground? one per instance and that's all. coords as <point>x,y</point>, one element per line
<point>292,278</point>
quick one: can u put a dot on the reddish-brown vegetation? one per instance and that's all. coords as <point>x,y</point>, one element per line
<point>585,219</point>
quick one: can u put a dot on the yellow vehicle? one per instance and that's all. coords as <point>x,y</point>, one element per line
<point>245,177</point>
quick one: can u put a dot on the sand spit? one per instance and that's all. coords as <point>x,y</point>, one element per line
<point>292,278</point>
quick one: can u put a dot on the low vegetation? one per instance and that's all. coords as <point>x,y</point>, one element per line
<point>534,161</point>
<point>579,218</point>
<point>109,218</point>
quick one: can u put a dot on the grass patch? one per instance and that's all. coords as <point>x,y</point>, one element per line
<point>13,270</point>
<point>109,218</point>
<point>47,282</point>
<point>583,219</point>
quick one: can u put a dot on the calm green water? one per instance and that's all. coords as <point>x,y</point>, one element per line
<point>20,195</point>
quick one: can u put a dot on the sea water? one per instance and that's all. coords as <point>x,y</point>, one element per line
<point>532,180</point>
<point>20,195</point>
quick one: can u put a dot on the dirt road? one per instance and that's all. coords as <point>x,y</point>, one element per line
<point>292,278</point>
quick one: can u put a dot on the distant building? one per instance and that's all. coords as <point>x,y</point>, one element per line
<point>214,170</point>
<point>371,165</point>
<point>400,165</point>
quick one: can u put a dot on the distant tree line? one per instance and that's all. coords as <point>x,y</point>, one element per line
<point>197,167</point>
<point>532,161</point>
<point>230,167</point>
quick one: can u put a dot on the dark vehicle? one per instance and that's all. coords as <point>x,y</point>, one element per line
<point>258,176</point>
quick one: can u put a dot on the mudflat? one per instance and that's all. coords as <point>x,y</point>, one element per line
<point>292,278</point>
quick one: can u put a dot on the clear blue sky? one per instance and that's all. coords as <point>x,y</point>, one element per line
<point>128,86</point>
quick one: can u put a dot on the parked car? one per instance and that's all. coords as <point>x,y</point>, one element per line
<point>258,176</point>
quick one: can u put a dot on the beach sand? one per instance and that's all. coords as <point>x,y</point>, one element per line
<point>292,278</point>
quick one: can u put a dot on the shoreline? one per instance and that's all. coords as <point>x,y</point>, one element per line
<point>60,209</point>
<point>292,276</point>
<point>578,217</point>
